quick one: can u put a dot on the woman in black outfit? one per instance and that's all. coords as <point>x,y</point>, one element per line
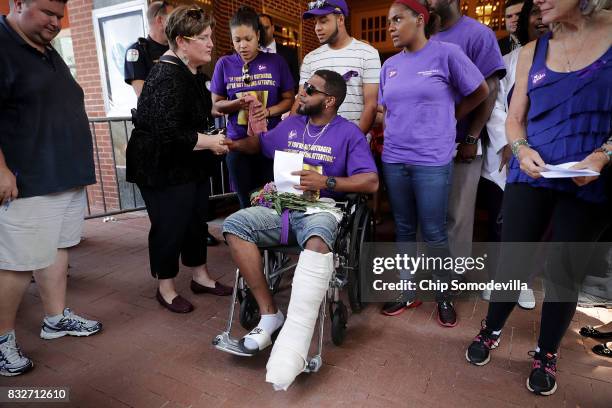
<point>168,157</point>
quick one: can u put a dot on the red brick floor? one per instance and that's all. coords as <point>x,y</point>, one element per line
<point>148,357</point>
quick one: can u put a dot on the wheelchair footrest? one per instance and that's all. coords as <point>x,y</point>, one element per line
<point>228,344</point>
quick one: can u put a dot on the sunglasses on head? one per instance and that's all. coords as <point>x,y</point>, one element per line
<point>246,77</point>
<point>311,90</point>
<point>195,13</point>
<point>319,4</point>
<point>163,7</point>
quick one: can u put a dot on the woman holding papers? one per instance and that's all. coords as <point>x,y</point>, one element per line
<point>561,111</point>
<point>250,85</point>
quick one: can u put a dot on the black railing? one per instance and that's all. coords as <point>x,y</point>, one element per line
<point>112,194</point>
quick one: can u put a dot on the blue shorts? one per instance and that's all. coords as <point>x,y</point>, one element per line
<point>262,226</point>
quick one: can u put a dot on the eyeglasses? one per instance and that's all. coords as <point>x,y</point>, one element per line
<point>246,77</point>
<point>319,4</point>
<point>311,90</point>
<point>206,38</point>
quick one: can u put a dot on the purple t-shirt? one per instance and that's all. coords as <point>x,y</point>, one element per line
<point>418,90</point>
<point>478,42</point>
<point>341,150</point>
<point>270,77</point>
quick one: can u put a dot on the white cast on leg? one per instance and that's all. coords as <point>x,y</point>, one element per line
<point>290,351</point>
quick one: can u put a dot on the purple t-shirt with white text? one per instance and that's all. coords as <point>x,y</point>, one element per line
<point>341,151</point>
<point>418,90</point>
<point>270,77</point>
<point>479,43</point>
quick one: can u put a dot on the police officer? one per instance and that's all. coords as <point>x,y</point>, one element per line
<point>144,53</point>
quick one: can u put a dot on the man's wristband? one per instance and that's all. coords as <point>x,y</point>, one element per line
<point>516,145</point>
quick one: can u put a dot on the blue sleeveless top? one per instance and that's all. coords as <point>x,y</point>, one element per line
<point>570,115</point>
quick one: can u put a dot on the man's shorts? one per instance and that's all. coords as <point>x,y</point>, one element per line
<point>33,229</point>
<point>262,226</point>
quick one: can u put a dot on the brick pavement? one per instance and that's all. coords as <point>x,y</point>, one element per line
<point>148,357</point>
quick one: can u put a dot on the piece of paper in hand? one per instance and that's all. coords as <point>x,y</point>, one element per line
<point>284,164</point>
<point>564,171</point>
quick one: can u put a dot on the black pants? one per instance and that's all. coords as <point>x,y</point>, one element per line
<point>527,212</point>
<point>490,197</point>
<point>248,172</point>
<point>178,226</point>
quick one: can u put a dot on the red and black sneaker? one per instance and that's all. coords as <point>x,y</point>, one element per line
<point>399,306</point>
<point>447,317</point>
<point>479,352</point>
<point>542,380</point>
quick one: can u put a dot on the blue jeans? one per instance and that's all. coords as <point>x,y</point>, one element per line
<point>262,226</point>
<point>419,196</point>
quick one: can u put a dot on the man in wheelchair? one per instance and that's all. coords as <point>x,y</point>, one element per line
<point>338,148</point>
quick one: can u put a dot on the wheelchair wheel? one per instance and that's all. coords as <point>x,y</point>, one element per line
<point>339,317</point>
<point>362,232</point>
<point>249,311</point>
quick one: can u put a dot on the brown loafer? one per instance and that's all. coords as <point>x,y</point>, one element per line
<point>218,290</point>
<point>179,304</point>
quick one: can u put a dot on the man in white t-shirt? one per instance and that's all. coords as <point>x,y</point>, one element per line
<point>357,61</point>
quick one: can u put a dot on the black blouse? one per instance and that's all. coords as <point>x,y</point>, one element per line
<point>173,107</point>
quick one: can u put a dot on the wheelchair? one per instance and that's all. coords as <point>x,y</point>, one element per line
<point>355,228</point>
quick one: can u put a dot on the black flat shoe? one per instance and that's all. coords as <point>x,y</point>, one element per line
<point>589,331</point>
<point>603,350</point>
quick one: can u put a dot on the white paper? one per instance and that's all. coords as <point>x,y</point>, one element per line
<point>499,177</point>
<point>563,171</point>
<point>284,164</point>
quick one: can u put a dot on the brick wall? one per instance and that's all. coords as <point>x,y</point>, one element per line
<point>88,76</point>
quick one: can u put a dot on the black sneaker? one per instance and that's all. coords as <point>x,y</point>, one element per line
<point>447,316</point>
<point>479,352</point>
<point>399,306</point>
<point>542,379</point>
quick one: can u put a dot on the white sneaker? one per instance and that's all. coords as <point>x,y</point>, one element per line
<point>526,300</point>
<point>12,360</point>
<point>70,324</point>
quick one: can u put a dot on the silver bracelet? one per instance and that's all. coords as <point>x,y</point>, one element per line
<point>517,144</point>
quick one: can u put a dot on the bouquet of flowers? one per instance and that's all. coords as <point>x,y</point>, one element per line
<point>270,198</point>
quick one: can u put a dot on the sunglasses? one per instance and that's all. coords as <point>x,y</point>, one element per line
<point>311,90</point>
<point>319,4</point>
<point>195,13</point>
<point>163,6</point>
<point>246,77</point>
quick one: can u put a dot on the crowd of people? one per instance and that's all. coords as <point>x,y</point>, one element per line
<point>458,109</point>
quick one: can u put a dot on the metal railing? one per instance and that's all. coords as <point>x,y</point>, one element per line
<point>112,194</point>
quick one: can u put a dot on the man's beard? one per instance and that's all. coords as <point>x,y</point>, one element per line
<point>333,37</point>
<point>311,110</point>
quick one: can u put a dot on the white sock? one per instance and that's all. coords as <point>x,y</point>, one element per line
<point>537,350</point>
<point>496,332</point>
<point>270,323</point>
<point>290,351</point>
